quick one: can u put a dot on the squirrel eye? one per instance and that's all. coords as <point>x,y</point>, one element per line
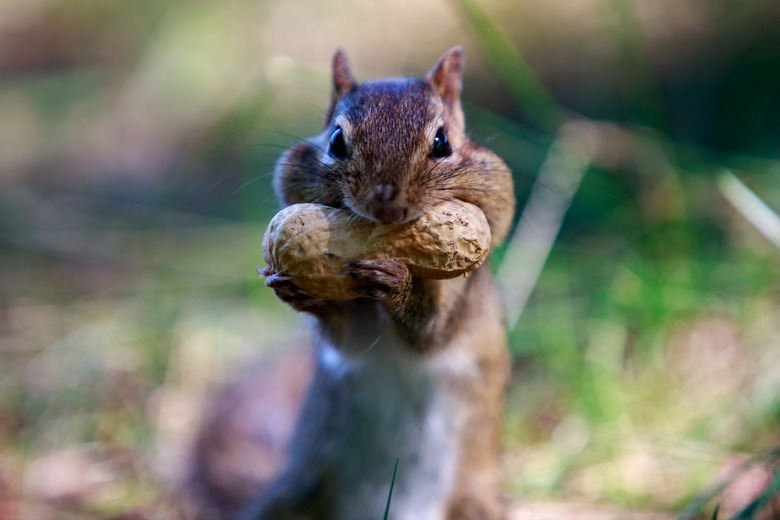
<point>337,147</point>
<point>441,146</point>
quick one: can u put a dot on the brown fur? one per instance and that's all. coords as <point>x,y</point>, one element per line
<point>389,174</point>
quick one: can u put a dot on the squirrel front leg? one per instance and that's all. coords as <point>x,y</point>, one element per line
<point>419,309</point>
<point>385,280</point>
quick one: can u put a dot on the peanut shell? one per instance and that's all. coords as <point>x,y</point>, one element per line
<point>310,243</point>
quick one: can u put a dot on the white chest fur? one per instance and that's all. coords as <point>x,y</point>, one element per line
<point>390,404</point>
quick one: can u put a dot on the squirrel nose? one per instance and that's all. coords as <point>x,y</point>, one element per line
<point>384,203</point>
<point>385,192</point>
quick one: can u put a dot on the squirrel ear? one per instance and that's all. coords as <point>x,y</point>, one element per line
<point>447,76</point>
<point>343,82</point>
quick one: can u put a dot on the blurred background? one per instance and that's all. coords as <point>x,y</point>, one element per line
<point>136,143</point>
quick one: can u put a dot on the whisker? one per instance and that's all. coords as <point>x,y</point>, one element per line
<point>374,344</point>
<point>223,179</point>
<point>245,146</point>
<point>306,140</point>
<point>250,182</point>
<point>489,192</point>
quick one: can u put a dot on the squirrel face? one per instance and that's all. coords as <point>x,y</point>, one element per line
<point>390,144</point>
<point>393,149</point>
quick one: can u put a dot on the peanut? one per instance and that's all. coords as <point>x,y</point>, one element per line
<point>310,243</point>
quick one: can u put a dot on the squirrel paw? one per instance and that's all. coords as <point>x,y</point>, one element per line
<point>383,279</point>
<point>286,290</point>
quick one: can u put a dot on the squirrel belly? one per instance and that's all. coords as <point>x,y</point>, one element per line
<point>390,408</point>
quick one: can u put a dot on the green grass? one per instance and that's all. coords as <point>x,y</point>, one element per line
<point>390,493</point>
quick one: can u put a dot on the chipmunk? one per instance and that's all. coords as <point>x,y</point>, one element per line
<point>415,370</point>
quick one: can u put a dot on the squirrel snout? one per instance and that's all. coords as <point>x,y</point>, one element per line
<point>385,192</point>
<point>385,205</point>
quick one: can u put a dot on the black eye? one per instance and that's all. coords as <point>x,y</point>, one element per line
<point>441,146</point>
<point>338,148</point>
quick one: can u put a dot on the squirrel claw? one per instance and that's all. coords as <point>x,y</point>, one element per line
<point>277,280</point>
<point>265,271</point>
<point>382,279</point>
<point>286,290</point>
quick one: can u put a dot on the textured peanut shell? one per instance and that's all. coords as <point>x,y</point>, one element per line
<point>311,243</point>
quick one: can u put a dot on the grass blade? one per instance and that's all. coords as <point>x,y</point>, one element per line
<point>390,494</point>
<point>538,106</point>
<point>755,210</point>
<point>755,507</point>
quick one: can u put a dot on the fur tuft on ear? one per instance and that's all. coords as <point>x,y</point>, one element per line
<point>343,82</point>
<point>447,76</point>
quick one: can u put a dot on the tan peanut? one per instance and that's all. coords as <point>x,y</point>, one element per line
<point>310,243</point>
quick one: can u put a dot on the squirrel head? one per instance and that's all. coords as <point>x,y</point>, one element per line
<point>392,148</point>
<point>387,139</point>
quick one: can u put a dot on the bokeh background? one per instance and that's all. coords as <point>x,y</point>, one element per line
<point>136,143</point>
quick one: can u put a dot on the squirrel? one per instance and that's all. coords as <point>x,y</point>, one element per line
<point>414,371</point>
